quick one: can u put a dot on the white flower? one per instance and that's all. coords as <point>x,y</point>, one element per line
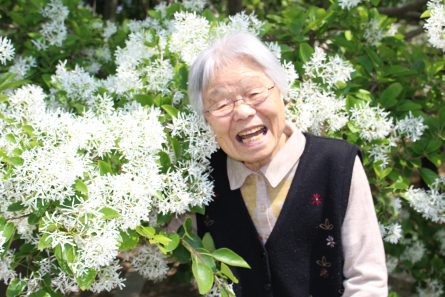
<point>22,65</point>
<point>7,273</point>
<point>159,75</point>
<point>414,252</point>
<point>440,237</point>
<point>240,22</point>
<point>77,83</point>
<point>381,154</point>
<point>195,5</point>
<point>108,278</point>
<point>393,233</point>
<point>391,263</point>
<point>373,122</point>
<point>54,31</point>
<point>430,203</point>
<point>6,50</point>
<point>110,29</point>
<point>412,127</point>
<point>292,75</point>
<point>348,4</point>
<point>435,24</point>
<point>313,109</point>
<point>150,262</point>
<point>275,48</point>
<point>2,242</point>
<point>329,70</point>
<point>433,288</point>
<point>190,35</point>
<point>64,283</point>
<point>373,33</point>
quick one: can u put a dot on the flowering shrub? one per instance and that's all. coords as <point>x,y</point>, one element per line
<point>99,150</point>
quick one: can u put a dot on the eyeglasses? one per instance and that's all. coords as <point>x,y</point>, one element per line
<point>225,105</point>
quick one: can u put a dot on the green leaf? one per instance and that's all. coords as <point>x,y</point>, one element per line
<point>174,243</point>
<point>144,99</point>
<point>229,257</point>
<point>40,293</point>
<point>15,287</point>
<point>129,240</point>
<point>16,206</point>
<point>16,161</point>
<point>164,159</point>
<point>8,230</point>
<point>305,51</point>
<point>108,213</point>
<point>44,242</point>
<point>170,110</point>
<point>164,218</point>
<point>104,167</point>
<point>204,277</point>
<point>146,231</point>
<point>428,175</point>
<point>425,14</point>
<point>85,280</point>
<point>228,272</point>
<point>388,97</point>
<point>207,242</point>
<point>80,187</point>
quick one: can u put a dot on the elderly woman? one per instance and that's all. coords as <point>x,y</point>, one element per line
<point>296,207</point>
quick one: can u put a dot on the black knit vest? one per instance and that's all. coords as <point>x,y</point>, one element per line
<point>303,255</point>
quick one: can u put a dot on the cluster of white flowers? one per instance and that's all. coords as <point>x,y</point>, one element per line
<point>109,30</point>
<point>190,35</point>
<point>440,236</point>
<point>159,75</point>
<point>348,4</point>
<point>7,273</point>
<point>108,278</point>
<point>412,127</point>
<point>373,32</point>
<point>414,251</point>
<point>381,154</point>
<point>435,24</point>
<point>6,50</point>
<point>330,70</point>
<point>149,262</point>
<point>22,65</point>
<point>391,233</point>
<point>433,288</point>
<point>195,5</point>
<point>430,203</point>
<point>312,109</point>
<point>373,122</point>
<point>77,83</point>
<point>54,30</point>
<point>2,242</point>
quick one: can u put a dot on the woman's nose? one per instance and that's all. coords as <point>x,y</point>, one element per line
<point>242,110</point>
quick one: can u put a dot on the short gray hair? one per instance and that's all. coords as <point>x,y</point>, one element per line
<point>222,52</point>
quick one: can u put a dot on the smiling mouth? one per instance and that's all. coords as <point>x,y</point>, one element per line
<point>251,135</point>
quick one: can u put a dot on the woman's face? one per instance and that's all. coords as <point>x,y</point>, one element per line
<point>251,134</point>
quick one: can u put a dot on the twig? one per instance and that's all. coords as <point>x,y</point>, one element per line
<point>402,11</point>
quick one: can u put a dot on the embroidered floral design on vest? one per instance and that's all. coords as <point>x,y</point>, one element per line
<point>316,199</point>
<point>208,221</point>
<point>330,241</point>
<point>324,265</point>
<point>326,225</point>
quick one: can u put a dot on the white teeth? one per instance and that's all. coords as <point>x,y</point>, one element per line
<point>250,131</point>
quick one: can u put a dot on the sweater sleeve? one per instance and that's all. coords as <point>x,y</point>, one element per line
<point>364,268</point>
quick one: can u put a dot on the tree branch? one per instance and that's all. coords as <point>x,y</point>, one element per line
<point>402,11</point>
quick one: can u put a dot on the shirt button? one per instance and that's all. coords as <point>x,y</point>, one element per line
<point>263,254</point>
<point>267,286</point>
